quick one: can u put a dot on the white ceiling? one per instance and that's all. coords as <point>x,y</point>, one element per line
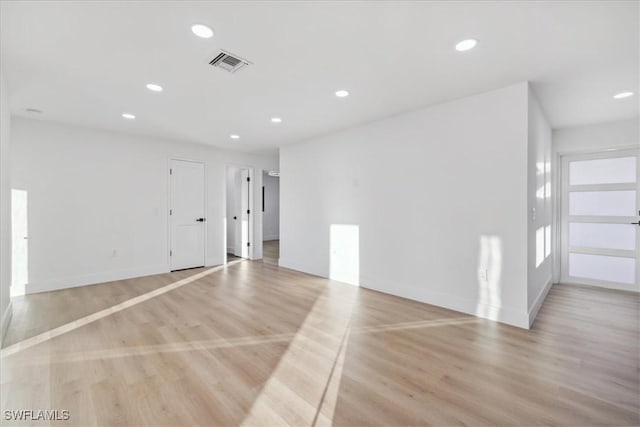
<point>88,62</point>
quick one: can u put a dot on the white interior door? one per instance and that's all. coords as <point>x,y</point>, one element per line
<point>187,214</point>
<point>245,214</point>
<point>600,203</point>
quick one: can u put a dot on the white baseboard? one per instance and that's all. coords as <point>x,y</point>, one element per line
<point>537,304</point>
<point>598,284</point>
<point>6,320</point>
<point>456,303</point>
<point>448,301</point>
<point>93,279</point>
<point>286,263</point>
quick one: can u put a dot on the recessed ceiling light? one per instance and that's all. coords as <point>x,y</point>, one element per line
<point>33,110</point>
<point>466,45</point>
<point>128,116</point>
<point>622,95</point>
<point>234,136</point>
<point>342,93</point>
<point>276,120</point>
<point>201,30</point>
<point>154,87</point>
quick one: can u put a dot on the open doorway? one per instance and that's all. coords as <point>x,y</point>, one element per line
<point>271,217</point>
<point>19,242</point>
<point>239,192</point>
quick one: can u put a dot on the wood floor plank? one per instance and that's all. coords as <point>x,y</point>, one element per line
<point>255,344</point>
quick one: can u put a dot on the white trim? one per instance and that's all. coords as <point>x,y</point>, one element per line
<point>440,299</point>
<point>629,287</point>
<point>609,149</point>
<point>254,238</point>
<point>603,187</point>
<point>556,222</point>
<point>6,320</point>
<point>445,300</point>
<point>94,278</point>
<point>456,303</point>
<point>537,305</point>
<point>452,302</point>
<point>621,253</point>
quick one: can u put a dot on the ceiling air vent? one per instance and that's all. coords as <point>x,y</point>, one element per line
<point>229,62</point>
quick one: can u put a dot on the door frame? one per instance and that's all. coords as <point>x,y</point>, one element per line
<point>561,216</point>
<point>170,203</point>
<point>252,216</point>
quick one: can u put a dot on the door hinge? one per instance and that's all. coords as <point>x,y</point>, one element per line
<point>248,243</point>
<point>170,253</point>
<point>170,211</point>
<point>248,179</point>
<point>248,211</point>
<point>170,171</point>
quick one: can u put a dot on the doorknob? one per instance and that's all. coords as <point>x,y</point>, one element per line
<point>200,220</point>
<point>636,223</point>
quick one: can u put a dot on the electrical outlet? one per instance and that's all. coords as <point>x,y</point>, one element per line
<point>483,275</point>
<point>533,214</point>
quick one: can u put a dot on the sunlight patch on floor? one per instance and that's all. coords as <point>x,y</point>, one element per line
<point>282,400</point>
<point>71,326</point>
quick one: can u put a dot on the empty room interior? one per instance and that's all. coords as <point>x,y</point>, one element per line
<point>313,213</point>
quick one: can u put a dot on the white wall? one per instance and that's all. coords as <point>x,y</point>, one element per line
<point>5,209</point>
<point>539,233</point>
<point>271,214</point>
<point>93,192</point>
<point>424,203</point>
<point>620,134</point>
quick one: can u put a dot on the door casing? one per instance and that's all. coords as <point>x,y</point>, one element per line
<point>563,217</point>
<point>252,216</point>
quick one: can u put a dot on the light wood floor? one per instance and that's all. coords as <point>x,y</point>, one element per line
<point>271,251</point>
<point>254,344</point>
